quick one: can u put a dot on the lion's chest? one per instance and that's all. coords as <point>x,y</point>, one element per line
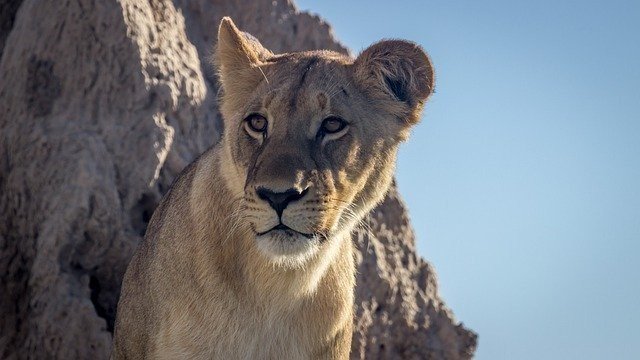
<point>233,332</point>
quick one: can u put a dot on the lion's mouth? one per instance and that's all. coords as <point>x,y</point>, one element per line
<point>287,230</point>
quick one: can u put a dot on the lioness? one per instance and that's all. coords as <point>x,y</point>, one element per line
<point>249,255</point>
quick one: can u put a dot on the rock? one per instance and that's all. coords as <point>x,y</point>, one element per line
<point>102,104</point>
<point>399,314</point>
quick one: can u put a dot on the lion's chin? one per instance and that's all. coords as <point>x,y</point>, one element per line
<point>288,248</point>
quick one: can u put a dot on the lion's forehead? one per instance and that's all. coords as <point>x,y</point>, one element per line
<point>302,78</point>
<point>298,93</point>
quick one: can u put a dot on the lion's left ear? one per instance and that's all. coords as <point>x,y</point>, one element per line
<point>396,69</point>
<point>237,50</point>
<point>239,56</point>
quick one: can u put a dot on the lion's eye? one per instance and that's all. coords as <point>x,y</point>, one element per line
<point>332,125</point>
<point>256,123</point>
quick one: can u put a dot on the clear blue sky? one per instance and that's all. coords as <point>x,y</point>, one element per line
<point>523,179</point>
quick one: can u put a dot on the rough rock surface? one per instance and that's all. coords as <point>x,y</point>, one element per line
<point>102,104</point>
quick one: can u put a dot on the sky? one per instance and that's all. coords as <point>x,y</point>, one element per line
<point>523,178</point>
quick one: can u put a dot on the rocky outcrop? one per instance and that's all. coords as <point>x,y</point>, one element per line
<point>102,104</point>
<point>399,314</point>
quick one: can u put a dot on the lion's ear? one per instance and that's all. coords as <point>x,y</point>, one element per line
<point>396,69</point>
<point>237,53</point>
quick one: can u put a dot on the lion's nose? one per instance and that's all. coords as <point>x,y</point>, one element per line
<point>280,200</point>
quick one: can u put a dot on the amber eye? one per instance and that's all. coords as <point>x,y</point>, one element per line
<point>256,123</point>
<point>332,125</point>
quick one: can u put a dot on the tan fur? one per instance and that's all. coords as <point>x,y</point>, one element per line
<point>210,279</point>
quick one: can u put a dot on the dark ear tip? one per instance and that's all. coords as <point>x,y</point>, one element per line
<point>427,87</point>
<point>394,46</point>
<point>424,69</point>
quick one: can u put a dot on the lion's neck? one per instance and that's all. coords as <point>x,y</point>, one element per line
<point>230,245</point>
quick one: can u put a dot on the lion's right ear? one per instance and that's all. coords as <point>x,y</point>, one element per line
<point>238,55</point>
<point>396,70</point>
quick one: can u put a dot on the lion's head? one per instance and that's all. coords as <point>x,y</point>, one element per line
<point>310,138</point>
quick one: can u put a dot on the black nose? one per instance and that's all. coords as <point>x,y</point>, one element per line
<point>280,200</point>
